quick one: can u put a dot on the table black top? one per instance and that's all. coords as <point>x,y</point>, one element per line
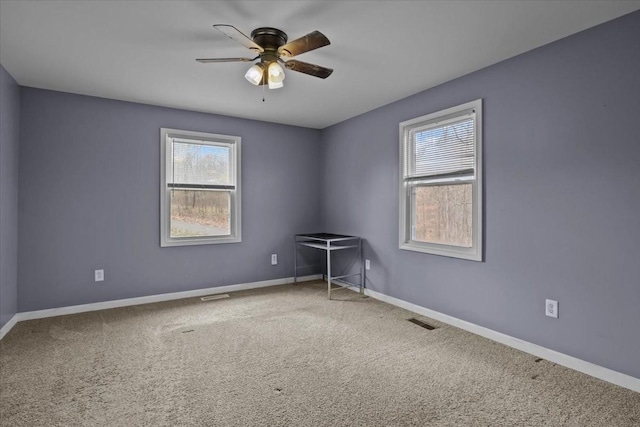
<point>325,236</point>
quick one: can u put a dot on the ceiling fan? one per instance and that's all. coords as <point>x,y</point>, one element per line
<point>271,46</point>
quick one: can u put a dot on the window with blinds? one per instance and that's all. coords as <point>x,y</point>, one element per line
<point>441,183</point>
<point>201,164</point>
<point>443,148</point>
<point>200,191</point>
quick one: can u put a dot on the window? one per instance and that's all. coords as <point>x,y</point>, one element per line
<point>200,188</point>
<point>441,182</point>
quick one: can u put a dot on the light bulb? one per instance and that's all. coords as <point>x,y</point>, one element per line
<point>254,74</point>
<point>275,76</point>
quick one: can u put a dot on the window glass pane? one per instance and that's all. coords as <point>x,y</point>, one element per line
<point>444,149</point>
<point>200,164</point>
<point>200,213</point>
<point>443,214</point>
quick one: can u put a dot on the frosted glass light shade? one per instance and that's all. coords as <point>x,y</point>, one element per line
<point>275,76</point>
<point>254,74</point>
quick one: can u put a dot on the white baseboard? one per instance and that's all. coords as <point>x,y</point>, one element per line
<point>10,324</point>
<point>600,372</point>
<point>41,314</point>
<point>585,367</point>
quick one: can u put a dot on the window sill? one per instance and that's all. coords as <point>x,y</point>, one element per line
<point>199,241</point>
<point>471,254</point>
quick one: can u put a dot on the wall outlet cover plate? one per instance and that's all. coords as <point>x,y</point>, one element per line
<point>551,308</point>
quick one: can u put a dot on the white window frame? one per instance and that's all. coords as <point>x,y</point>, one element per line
<point>475,252</point>
<point>233,142</point>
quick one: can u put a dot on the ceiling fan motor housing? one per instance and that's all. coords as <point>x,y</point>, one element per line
<point>270,39</point>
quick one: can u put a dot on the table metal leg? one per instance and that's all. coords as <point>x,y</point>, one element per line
<point>295,260</point>
<point>362,273</point>
<point>329,270</point>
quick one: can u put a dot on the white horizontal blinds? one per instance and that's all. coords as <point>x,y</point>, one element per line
<point>443,148</point>
<point>201,164</point>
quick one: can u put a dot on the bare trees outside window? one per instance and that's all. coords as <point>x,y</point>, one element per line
<point>443,214</point>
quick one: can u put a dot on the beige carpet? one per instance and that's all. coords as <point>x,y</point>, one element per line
<point>285,356</point>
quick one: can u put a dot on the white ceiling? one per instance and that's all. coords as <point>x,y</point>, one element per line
<point>382,51</point>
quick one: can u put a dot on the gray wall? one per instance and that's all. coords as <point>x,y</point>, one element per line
<point>562,197</point>
<point>89,199</point>
<point>9,137</point>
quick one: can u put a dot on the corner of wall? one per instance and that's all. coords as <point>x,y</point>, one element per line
<point>9,143</point>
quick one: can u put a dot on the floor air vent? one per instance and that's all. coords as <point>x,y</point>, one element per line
<point>214,297</point>
<point>422,324</point>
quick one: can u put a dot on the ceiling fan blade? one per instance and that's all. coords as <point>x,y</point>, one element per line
<point>234,34</point>
<point>208,60</point>
<point>311,69</point>
<point>304,44</point>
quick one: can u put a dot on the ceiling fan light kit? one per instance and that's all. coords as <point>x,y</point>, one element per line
<point>271,46</point>
<point>254,74</point>
<point>276,76</point>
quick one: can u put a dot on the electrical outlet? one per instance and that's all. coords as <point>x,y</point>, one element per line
<point>274,259</point>
<point>551,308</point>
<point>367,264</point>
<point>99,275</point>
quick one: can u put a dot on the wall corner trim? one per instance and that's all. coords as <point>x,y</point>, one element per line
<point>52,312</point>
<point>597,371</point>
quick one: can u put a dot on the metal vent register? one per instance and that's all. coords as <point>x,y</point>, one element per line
<point>422,324</point>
